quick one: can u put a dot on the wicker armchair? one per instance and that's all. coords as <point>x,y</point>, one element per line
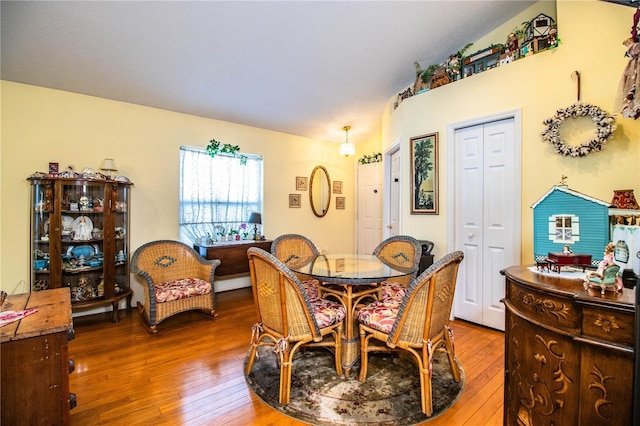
<point>295,250</point>
<point>401,252</point>
<point>419,324</point>
<point>288,318</point>
<point>176,279</point>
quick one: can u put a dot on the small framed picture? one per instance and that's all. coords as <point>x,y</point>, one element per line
<point>294,201</point>
<point>340,202</point>
<point>301,183</point>
<point>337,187</point>
<point>53,169</point>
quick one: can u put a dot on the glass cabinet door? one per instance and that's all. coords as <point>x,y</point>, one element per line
<point>121,222</point>
<point>81,240</point>
<point>41,221</point>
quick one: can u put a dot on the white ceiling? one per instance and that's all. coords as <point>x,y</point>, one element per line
<point>301,67</point>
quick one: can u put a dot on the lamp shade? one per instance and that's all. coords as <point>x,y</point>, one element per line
<point>346,147</point>
<point>109,166</point>
<point>255,218</point>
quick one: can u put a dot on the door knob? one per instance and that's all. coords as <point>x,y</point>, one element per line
<point>470,235</point>
<point>389,226</point>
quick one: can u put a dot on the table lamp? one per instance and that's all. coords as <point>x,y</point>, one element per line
<point>256,219</point>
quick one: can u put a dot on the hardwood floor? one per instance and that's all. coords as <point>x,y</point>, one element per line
<point>191,372</point>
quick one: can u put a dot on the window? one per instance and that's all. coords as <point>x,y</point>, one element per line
<point>564,228</point>
<point>217,194</point>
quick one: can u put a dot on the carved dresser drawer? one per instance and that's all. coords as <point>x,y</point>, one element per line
<point>549,309</point>
<point>610,325</point>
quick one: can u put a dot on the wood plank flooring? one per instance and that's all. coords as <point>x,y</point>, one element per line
<point>191,373</point>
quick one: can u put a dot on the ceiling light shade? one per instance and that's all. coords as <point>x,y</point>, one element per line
<point>347,148</point>
<point>109,166</point>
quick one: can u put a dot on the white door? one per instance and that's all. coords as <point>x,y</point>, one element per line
<point>369,214</point>
<point>393,226</point>
<point>487,217</point>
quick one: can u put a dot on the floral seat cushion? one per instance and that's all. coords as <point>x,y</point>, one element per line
<point>393,291</point>
<point>380,315</point>
<point>181,289</point>
<point>311,288</point>
<point>327,312</point>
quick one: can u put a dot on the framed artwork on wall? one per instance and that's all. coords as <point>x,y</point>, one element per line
<point>337,187</point>
<point>424,174</point>
<point>294,200</point>
<point>301,183</point>
<point>340,203</point>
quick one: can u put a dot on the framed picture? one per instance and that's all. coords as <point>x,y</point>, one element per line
<point>301,183</point>
<point>53,169</point>
<point>294,201</point>
<point>337,187</point>
<point>340,202</point>
<point>424,174</point>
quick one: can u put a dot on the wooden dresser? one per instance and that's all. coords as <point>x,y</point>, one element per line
<point>34,358</point>
<point>568,352</point>
<point>232,254</point>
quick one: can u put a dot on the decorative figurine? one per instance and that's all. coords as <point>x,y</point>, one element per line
<point>606,276</point>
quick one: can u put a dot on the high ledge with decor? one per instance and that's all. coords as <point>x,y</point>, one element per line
<point>569,352</point>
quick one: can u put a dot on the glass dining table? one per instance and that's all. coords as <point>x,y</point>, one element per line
<point>349,278</point>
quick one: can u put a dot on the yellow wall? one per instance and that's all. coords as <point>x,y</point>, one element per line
<point>41,125</point>
<point>591,34</point>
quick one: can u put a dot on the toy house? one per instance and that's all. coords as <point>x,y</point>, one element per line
<point>541,32</point>
<point>563,217</point>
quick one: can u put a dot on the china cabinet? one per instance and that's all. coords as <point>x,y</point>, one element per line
<point>80,239</point>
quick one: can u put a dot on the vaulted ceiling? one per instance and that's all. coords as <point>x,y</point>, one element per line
<point>300,67</point>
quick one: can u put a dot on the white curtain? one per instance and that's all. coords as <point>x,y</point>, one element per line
<point>217,194</point>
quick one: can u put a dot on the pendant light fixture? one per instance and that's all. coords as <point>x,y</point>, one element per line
<point>347,148</point>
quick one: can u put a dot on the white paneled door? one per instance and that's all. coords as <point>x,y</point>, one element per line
<point>369,195</point>
<point>487,209</point>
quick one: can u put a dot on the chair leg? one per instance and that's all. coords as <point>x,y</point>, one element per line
<point>251,360</point>
<point>425,380</point>
<point>285,377</point>
<point>448,344</point>
<point>337,336</point>
<point>364,354</point>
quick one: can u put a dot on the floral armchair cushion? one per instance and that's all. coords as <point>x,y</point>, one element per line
<point>181,289</point>
<point>393,291</point>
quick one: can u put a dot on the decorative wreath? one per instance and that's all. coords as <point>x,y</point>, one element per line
<point>605,127</point>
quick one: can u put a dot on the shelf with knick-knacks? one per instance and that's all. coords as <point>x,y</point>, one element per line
<point>79,239</point>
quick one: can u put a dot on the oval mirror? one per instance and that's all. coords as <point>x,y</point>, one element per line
<point>320,191</point>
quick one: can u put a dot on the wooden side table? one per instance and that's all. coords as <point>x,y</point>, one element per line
<point>232,254</point>
<point>34,359</point>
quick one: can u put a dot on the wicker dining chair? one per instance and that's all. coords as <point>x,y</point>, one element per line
<point>296,250</point>
<point>176,279</point>
<point>401,252</point>
<point>288,319</point>
<point>419,324</point>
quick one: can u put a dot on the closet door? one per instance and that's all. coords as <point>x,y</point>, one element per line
<point>485,218</point>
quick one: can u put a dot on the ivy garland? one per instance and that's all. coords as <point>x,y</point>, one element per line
<point>605,127</point>
<point>216,147</point>
<point>368,159</point>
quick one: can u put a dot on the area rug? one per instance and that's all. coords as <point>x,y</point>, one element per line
<point>390,396</point>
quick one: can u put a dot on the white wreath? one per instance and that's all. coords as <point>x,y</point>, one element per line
<point>605,127</point>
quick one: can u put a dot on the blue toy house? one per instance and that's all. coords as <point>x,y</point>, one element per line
<point>566,217</point>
